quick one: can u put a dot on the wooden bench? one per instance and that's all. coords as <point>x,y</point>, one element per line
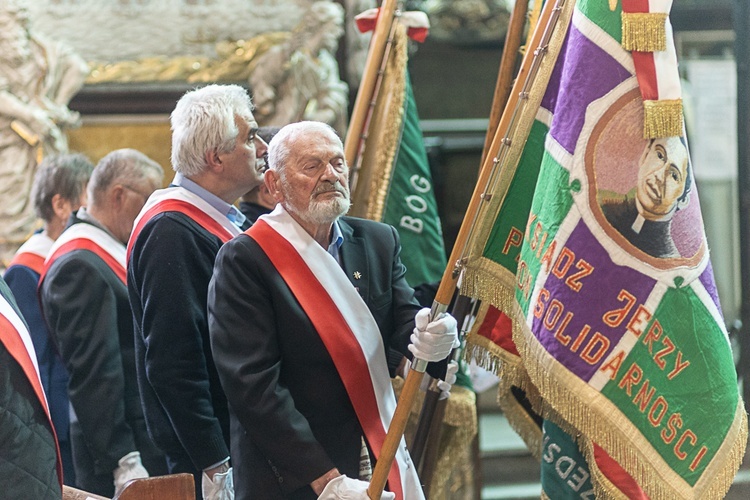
<point>171,487</point>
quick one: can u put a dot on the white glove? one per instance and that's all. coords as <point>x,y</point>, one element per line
<point>450,379</point>
<point>433,341</point>
<point>128,467</point>
<point>346,488</point>
<point>221,487</point>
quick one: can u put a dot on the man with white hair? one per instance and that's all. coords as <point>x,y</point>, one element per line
<point>302,310</point>
<point>218,157</point>
<point>84,300</point>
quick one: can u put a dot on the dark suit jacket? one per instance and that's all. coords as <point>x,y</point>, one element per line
<point>86,307</point>
<point>28,457</point>
<point>292,419</point>
<point>23,282</point>
<point>168,274</point>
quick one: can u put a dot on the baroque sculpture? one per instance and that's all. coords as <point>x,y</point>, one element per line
<point>38,78</point>
<point>299,79</point>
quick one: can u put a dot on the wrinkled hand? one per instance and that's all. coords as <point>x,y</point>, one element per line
<point>128,467</point>
<point>433,341</point>
<point>346,488</point>
<point>450,379</point>
<point>220,487</point>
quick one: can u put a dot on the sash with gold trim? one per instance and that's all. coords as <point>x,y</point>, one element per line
<point>32,253</point>
<point>348,331</point>
<point>16,339</point>
<point>179,199</point>
<point>84,236</point>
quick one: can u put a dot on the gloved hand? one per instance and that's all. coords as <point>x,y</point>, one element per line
<point>220,487</point>
<point>346,488</point>
<point>433,341</point>
<point>128,467</point>
<point>450,379</point>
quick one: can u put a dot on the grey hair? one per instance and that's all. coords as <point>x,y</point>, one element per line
<point>64,174</point>
<point>121,165</point>
<point>278,148</point>
<point>203,121</point>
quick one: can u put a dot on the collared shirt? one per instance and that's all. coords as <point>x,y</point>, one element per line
<point>334,248</point>
<point>83,215</point>
<point>231,212</point>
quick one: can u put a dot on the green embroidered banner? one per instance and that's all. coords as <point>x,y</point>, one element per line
<point>593,245</point>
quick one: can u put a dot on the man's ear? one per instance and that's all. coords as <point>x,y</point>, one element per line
<point>61,207</point>
<point>213,160</point>
<point>117,195</point>
<point>272,180</point>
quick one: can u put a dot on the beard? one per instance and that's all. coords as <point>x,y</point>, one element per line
<point>322,212</point>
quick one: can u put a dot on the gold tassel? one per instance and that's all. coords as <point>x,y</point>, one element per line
<point>644,31</point>
<point>662,118</point>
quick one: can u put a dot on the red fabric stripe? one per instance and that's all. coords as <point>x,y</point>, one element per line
<point>13,342</point>
<point>333,330</point>
<point>498,328</point>
<point>635,6</point>
<point>86,244</point>
<point>617,475</point>
<point>645,70</point>
<point>195,213</point>
<point>31,260</point>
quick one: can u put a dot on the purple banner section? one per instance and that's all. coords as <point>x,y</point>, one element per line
<point>707,278</point>
<point>587,304</point>
<point>582,74</point>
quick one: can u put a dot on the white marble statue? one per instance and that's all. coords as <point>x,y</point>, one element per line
<point>37,80</point>
<point>299,80</point>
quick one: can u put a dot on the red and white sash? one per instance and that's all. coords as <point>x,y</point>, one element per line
<point>347,329</point>
<point>179,199</point>
<point>83,236</point>
<point>33,252</point>
<point>16,339</point>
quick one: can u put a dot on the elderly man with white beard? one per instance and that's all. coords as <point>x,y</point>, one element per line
<point>303,308</point>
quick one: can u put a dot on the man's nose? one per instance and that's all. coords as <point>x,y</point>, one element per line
<point>330,172</point>
<point>261,147</point>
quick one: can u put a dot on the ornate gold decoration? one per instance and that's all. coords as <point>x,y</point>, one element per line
<point>644,31</point>
<point>662,118</point>
<point>235,61</point>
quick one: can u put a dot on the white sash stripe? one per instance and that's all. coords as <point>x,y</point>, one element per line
<point>667,74</point>
<point>182,194</point>
<point>37,244</point>
<point>357,315</point>
<point>11,315</point>
<point>90,232</point>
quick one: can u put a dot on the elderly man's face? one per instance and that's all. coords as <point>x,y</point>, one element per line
<point>316,178</point>
<point>661,178</point>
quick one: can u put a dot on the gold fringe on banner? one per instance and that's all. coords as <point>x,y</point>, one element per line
<point>644,31</point>
<point>394,89</point>
<point>662,118</point>
<point>489,282</point>
<point>519,419</point>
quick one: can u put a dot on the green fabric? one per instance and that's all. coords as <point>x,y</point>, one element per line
<point>665,421</point>
<point>552,201</point>
<point>598,12</point>
<point>565,472</point>
<point>514,212</point>
<point>411,207</point>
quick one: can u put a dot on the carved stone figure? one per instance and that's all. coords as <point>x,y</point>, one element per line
<point>299,80</point>
<point>37,80</point>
